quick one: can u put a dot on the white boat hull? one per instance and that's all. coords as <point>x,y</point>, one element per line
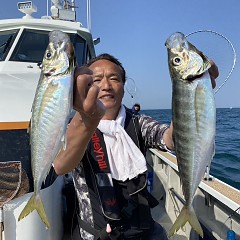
<point>31,227</point>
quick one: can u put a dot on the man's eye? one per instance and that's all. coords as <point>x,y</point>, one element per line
<point>96,80</point>
<point>114,79</point>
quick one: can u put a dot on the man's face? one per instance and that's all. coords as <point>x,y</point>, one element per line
<point>107,76</point>
<point>136,108</point>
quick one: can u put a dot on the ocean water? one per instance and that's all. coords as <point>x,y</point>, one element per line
<point>226,162</point>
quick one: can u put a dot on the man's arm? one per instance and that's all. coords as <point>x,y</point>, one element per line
<point>167,137</point>
<point>80,130</point>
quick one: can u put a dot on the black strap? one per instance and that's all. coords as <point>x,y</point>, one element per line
<point>102,173</point>
<point>98,150</point>
<point>152,201</point>
<point>98,234</point>
<point>133,130</point>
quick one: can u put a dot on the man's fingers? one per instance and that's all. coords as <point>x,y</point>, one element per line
<point>86,97</point>
<point>90,101</point>
<point>92,105</point>
<point>213,72</point>
<point>81,87</point>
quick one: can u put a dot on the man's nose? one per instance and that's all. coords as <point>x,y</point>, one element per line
<point>105,84</point>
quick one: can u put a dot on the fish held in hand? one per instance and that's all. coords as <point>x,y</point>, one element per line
<point>50,114</point>
<point>194,120</point>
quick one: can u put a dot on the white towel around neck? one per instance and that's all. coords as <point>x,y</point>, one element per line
<point>125,159</point>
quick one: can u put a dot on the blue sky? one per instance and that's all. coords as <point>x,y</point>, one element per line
<point>135,31</point>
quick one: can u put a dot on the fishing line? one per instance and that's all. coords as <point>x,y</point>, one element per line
<point>214,51</point>
<point>229,218</point>
<point>131,88</point>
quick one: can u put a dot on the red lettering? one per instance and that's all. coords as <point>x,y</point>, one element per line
<point>96,146</point>
<point>95,137</point>
<point>99,151</point>
<point>102,164</point>
<point>100,156</point>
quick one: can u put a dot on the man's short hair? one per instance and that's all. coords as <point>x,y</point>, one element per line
<point>106,56</point>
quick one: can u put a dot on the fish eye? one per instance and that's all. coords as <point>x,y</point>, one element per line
<point>177,61</point>
<point>48,55</point>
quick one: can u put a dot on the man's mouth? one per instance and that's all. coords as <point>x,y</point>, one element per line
<point>108,96</point>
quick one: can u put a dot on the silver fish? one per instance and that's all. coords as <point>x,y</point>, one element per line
<point>194,120</point>
<point>50,114</point>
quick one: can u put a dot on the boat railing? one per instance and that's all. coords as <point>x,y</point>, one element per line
<point>229,195</point>
<point>216,203</point>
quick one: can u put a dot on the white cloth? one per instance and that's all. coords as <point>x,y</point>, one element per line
<point>125,159</point>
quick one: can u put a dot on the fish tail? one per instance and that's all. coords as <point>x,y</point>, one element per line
<point>35,203</point>
<point>187,214</point>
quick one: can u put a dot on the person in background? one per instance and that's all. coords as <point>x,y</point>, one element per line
<point>106,146</point>
<point>136,108</point>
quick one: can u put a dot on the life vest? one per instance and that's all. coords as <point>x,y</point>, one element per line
<point>103,198</point>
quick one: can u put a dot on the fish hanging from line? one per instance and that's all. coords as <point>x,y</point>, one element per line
<point>50,114</point>
<point>194,120</point>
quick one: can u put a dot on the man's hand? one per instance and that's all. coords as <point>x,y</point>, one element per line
<point>213,72</point>
<point>85,99</point>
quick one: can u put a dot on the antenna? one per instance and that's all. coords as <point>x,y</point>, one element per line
<point>73,4</point>
<point>89,15</point>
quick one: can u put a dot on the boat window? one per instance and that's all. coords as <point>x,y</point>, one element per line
<point>6,40</point>
<point>79,46</point>
<point>31,46</point>
<point>33,43</point>
<point>89,55</point>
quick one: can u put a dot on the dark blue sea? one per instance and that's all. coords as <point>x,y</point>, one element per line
<point>226,163</point>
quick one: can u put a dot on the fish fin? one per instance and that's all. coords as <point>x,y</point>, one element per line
<point>35,203</point>
<point>187,214</point>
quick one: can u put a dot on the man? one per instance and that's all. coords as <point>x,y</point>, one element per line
<point>105,150</point>
<point>136,108</point>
